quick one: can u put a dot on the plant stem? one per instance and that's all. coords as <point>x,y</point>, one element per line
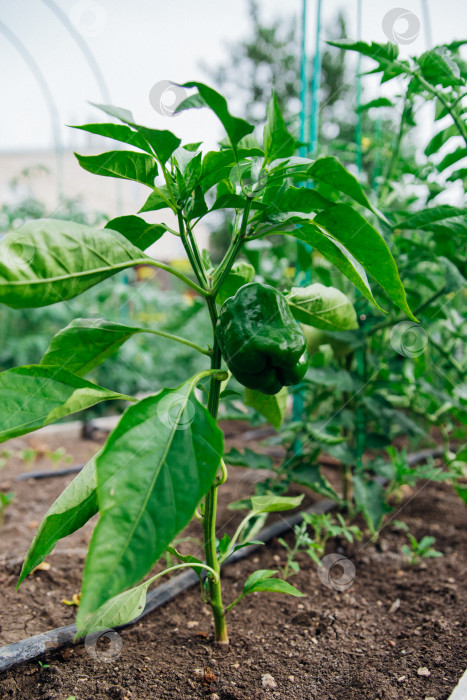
<point>178,339</point>
<point>193,256</point>
<point>210,506</point>
<point>234,248</point>
<point>180,275</point>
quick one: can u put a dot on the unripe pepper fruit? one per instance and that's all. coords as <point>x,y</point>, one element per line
<point>261,342</point>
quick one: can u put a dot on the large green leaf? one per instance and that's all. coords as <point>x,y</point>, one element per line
<point>370,499</point>
<point>34,396</point>
<point>273,408</point>
<point>158,199</point>
<point>331,171</point>
<point>302,199</point>
<point>277,141</point>
<point>49,260</point>
<point>118,132</point>
<point>72,509</point>
<point>336,253</point>
<point>137,230</point>
<point>322,307</point>
<point>439,68</point>
<point>128,165</point>
<point>368,247</point>
<point>236,128</point>
<point>85,343</point>
<point>155,468</point>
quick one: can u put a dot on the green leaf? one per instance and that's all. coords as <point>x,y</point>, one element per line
<point>241,273</point>
<point>158,199</point>
<point>440,139</point>
<point>162,142</point>
<point>118,132</point>
<point>155,468</point>
<point>261,581</point>
<point>73,508</point>
<point>377,102</point>
<point>49,260</point>
<point>273,408</point>
<point>317,430</point>
<point>118,610</point>
<point>336,253</point>
<point>450,158</point>
<point>322,307</point>
<point>275,504</point>
<point>368,247</point>
<point>309,475</point>
<point>277,141</point>
<point>248,458</point>
<point>438,67</point>
<point>380,52</point>
<point>85,343</point>
<point>128,165</point>
<point>370,498</point>
<point>302,199</point>
<point>331,171</point>
<point>427,216</point>
<point>236,128</point>
<point>137,230</point>
<point>34,396</point>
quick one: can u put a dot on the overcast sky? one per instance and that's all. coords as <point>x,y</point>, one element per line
<point>139,43</point>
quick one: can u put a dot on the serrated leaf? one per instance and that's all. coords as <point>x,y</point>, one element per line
<point>322,307</point>
<point>273,408</point>
<point>34,396</point>
<point>368,247</point>
<point>155,468</point>
<point>137,230</point>
<point>128,165</point>
<point>72,509</point>
<point>49,260</point>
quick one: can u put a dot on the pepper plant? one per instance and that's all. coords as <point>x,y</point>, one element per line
<point>163,463</point>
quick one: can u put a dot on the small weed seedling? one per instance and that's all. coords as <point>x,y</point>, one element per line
<point>59,455</point>
<point>5,501</point>
<point>323,528</point>
<point>420,550</point>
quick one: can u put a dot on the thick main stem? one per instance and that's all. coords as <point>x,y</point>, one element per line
<point>210,506</point>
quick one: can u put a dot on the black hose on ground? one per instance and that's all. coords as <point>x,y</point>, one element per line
<point>412,459</point>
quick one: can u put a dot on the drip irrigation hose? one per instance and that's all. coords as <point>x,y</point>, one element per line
<point>412,459</point>
<point>33,647</point>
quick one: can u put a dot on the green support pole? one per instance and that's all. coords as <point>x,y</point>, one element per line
<point>361,352</point>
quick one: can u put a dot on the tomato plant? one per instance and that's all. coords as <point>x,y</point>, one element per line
<point>163,463</point>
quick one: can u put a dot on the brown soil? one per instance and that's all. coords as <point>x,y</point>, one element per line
<point>374,640</point>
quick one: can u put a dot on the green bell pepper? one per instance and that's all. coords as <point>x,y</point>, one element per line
<point>261,342</point>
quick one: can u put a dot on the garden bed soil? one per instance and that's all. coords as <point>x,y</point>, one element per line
<point>397,632</point>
